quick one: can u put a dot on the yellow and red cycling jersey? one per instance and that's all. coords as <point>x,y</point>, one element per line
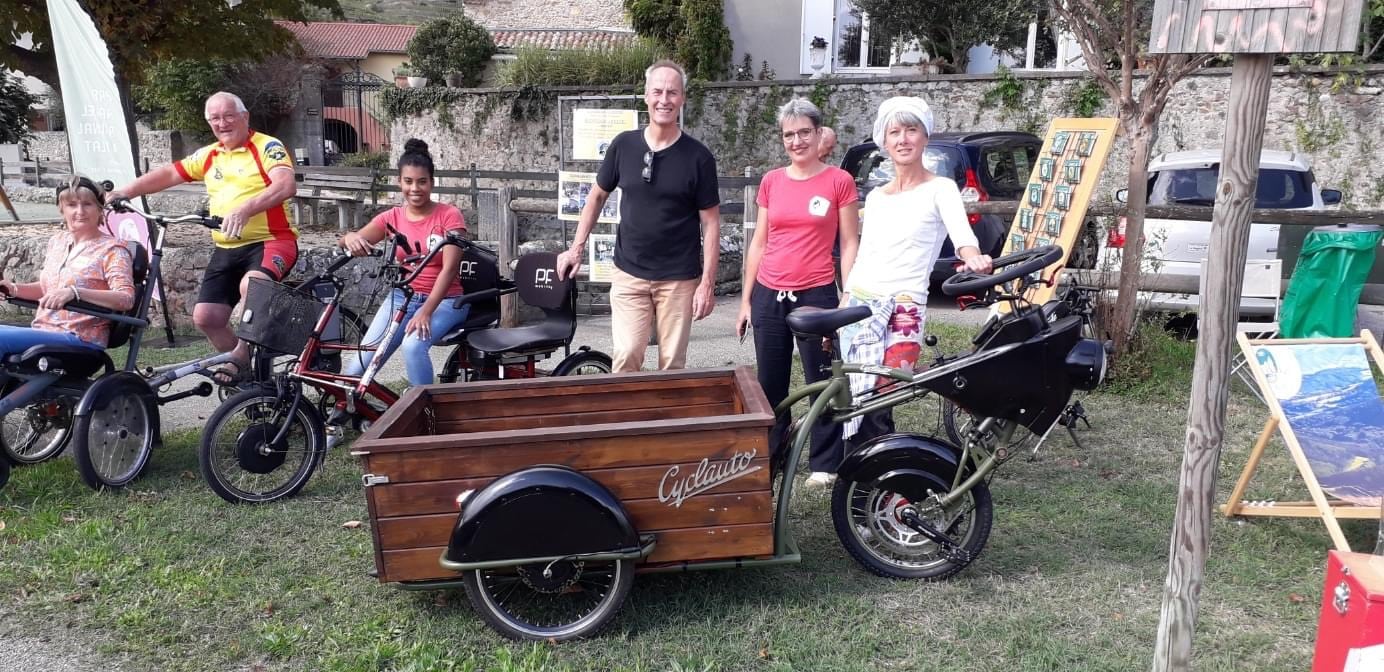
<point>234,176</point>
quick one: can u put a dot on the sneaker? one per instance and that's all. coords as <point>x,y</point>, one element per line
<point>820,479</point>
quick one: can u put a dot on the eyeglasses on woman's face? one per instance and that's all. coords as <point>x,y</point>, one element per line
<point>800,134</point>
<point>648,172</point>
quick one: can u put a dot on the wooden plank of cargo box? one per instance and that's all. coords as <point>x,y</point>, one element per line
<point>648,515</point>
<point>407,499</point>
<point>570,419</point>
<point>703,543</point>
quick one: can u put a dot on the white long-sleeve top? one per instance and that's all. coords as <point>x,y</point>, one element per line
<point>902,236</point>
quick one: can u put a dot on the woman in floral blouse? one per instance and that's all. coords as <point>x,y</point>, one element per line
<point>83,263</point>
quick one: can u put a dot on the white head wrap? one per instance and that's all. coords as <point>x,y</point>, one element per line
<point>889,109</point>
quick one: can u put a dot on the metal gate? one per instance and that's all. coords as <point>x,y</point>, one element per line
<point>352,118</point>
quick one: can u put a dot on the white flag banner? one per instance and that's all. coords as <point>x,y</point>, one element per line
<point>97,135</point>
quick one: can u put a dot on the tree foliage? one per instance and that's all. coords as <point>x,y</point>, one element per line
<point>15,101</point>
<point>149,31</point>
<point>175,91</point>
<point>947,29</point>
<point>453,45</point>
<point>693,31</point>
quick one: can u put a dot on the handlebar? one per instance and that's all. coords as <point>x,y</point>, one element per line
<point>86,309</point>
<point>124,205</point>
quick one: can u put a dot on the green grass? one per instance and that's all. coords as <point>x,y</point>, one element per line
<point>166,576</point>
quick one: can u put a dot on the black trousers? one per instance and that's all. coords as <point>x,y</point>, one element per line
<point>773,349</point>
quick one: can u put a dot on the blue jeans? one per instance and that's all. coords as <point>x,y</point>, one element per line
<point>15,340</point>
<point>417,364</point>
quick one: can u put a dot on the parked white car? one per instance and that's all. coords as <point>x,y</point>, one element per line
<point>1176,248</point>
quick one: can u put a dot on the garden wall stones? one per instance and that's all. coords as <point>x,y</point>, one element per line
<point>1337,119</point>
<point>530,15</point>
<point>157,147</point>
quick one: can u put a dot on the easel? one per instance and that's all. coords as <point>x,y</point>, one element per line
<point>1330,510</point>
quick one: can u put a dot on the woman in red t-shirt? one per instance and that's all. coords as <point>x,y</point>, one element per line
<point>804,209</point>
<point>429,315</point>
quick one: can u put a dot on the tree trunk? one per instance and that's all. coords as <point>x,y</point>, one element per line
<point>1141,137</point>
<point>1220,302</point>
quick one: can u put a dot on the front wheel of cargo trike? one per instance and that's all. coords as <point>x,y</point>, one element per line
<point>870,522</point>
<point>557,601</point>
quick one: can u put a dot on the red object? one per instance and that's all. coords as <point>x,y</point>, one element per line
<point>973,193</point>
<point>1116,236</point>
<point>1352,613</point>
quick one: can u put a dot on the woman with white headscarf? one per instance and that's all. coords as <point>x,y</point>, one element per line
<point>905,224</point>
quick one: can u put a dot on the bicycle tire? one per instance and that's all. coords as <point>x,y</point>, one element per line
<point>38,432</point>
<point>232,468</point>
<point>113,442</point>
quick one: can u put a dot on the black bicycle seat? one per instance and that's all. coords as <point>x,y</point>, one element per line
<point>810,321</point>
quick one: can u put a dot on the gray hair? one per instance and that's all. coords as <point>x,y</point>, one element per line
<point>664,63</point>
<point>226,95</point>
<point>800,108</point>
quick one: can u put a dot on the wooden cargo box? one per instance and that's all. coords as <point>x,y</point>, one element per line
<point>686,452</point>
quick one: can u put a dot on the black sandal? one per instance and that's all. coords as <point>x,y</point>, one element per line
<point>224,377</point>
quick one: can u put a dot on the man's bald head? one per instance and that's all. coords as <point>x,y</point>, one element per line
<point>827,143</point>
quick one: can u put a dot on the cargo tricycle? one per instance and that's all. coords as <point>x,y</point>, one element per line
<point>542,498</point>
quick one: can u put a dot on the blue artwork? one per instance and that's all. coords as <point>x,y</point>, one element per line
<point>1331,402</point>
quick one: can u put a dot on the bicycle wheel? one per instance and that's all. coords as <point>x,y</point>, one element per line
<point>559,601</point>
<point>238,457</point>
<point>869,521</point>
<point>37,432</point>
<point>113,442</point>
<point>956,421</point>
<point>584,362</point>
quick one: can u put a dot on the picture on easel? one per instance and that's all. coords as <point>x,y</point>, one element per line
<point>1324,402</point>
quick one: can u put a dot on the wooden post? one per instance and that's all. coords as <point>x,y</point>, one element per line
<point>751,220</point>
<point>509,251</point>
<point>475,190</point>
<point>1191,535</point>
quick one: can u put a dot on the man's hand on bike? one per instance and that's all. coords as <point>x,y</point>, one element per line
<point>356,244</point>
<point>114,196</point>
<point>568,263</point>
<point>234,222</point>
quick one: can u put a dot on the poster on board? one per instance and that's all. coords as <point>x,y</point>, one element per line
<point>600,252</point>
<point>593,129</point>
<point>572,191</point>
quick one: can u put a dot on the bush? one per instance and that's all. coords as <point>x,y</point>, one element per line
<point>15,102</point>
<point>455,45</point>
<point>377,160</point>
<point>541,67</point>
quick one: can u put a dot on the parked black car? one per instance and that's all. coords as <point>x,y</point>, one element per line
<point>985,166</point>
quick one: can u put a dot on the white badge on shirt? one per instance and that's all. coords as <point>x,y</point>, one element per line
<point>818,206</point>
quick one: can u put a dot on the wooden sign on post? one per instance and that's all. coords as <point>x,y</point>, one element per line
<point>1254,26</point>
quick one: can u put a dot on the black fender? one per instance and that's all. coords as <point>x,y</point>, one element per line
<point>898,454</point>
<point>540,512</point>
<point>116,384</point>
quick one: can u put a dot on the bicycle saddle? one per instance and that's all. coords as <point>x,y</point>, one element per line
<point>810,321</point>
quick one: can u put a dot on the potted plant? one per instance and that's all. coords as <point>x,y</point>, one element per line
<point>401,75</point>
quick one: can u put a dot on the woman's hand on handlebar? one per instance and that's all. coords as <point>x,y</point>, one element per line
<point>56,298</point>
<point>978,263</point>
<point>356,244</point>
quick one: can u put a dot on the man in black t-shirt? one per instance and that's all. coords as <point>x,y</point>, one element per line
<point>668,240</point>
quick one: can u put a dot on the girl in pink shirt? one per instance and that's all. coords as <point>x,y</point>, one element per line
<point>804,209</point>
<point>429,315</point>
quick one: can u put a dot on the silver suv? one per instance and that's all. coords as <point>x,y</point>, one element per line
<point>1176,248</point>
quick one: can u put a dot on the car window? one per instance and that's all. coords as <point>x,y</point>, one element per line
<point>877,168</point>
<point>1197,186</point>
<point>1006,170</point>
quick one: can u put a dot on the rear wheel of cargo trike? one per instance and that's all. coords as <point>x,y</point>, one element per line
<point>869,517</point>
<point>557,601</point>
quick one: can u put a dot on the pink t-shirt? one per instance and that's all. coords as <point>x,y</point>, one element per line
<point>803,216</point>
<point>425,233</point>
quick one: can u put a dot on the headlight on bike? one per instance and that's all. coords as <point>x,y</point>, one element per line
<point>1086,364</point>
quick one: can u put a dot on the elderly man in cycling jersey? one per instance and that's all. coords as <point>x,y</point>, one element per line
<point>249,178</point>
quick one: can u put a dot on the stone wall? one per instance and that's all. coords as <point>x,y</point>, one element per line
<point>1339,126</point>
<point>544,15</point>
<point>155,147</point>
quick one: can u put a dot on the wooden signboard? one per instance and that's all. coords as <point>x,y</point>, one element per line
<point>1060,186</point>
<point>1254,26</point>
<point>687,453</point>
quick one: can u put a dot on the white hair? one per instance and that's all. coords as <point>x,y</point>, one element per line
<point>665,63</point>
<point>226,95</point>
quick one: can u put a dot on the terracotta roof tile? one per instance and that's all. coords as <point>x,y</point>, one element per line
<point>562,39</point>
<point>354,41</point>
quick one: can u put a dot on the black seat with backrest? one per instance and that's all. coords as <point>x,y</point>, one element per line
<point>480,270</point>
<point>81,362</point>
<point>535,276</point>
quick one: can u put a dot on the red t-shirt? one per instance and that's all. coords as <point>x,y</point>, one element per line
<point>425,233</point>
<point>803,216</point>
